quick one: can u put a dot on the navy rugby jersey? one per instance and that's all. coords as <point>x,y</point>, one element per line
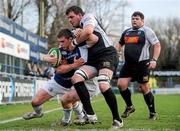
<point>137,43</point>
<point>64,79</point>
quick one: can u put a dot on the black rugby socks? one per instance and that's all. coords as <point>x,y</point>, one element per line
<point>84,97</point>
<point>126,95</point>
<point>112,103</point>
<point>149,99</point>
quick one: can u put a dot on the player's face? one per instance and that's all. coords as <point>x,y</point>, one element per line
<point>74,19</point>
<point>137,22</point>
<point>64,43</point>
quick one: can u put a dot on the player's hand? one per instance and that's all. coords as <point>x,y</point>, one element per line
<point>152,64</point>
<point>78,62</point>
<point>50,59</point>
<point>77,32</point>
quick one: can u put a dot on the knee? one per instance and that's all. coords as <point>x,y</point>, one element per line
<point>144,88</point>
<point>122,85</point>
<point>36,101</point>
<point>79,75</point>
<point>66,99</point>
<point>76,78</point>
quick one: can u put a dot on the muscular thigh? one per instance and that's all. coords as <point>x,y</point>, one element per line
<point>84,73</point>
<point>70,96</point>
<point>53,88</point>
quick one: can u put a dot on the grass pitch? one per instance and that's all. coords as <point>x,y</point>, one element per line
<point>167,106</point>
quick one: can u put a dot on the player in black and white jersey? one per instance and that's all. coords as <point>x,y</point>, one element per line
<point>61,84</point>
<point>101,55</point>
<point>137,41</point>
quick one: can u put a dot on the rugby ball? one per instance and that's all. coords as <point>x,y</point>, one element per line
<point>56,53</point>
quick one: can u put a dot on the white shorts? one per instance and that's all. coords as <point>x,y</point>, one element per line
<point>53,88</point>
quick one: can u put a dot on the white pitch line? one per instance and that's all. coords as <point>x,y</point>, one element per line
<point>20,118</point>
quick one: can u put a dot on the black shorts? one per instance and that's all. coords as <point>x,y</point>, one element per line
<point>137,71</point>
<point>107,59</point>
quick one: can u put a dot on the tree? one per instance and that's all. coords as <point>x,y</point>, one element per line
<point>13,9</point>
<point>110,14</point>
<point>168,32</point>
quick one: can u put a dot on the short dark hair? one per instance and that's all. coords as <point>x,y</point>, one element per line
<point>138,13</point>
<point>75,9</point>
<point>65,33</point>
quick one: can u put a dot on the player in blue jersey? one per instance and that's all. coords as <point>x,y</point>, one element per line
<point>60,84</point>
<point>137,41</point>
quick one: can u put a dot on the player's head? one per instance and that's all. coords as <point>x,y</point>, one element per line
<point>74,15</point>
<point>64,38</point>
<point>137,19</point>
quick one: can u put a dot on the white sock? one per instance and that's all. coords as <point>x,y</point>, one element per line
<point>78,109</point>
<point>67,115</point>
<point>37,109</point>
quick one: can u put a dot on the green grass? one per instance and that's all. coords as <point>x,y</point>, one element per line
<point>167,106</point>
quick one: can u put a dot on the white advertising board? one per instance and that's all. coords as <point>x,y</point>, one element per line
<point>14,47</point>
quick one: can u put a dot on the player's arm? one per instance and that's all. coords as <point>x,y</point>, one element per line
<point>64,68</point>
<point>118,47</point>
<point>50,59</point>
<point>84,34</point>
<point>156,50</point>
<point>90,38</point>
<point>156,53</point>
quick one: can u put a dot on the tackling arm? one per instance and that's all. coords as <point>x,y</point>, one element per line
<point>85,34</point>
<point>64,68</point>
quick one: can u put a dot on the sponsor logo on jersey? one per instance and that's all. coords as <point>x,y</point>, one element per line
<point>131,39</point>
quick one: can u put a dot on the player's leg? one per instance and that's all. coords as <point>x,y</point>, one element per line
<point>149,99</point>
<point>45,93</point>
<point>142,79</point>
<point>123,81</point>
<point>126,95</point>
<point>85,72</point>
<point>67,110</point>
<point>72,98</point>
<point>41,97</point>
<point>104,78</point>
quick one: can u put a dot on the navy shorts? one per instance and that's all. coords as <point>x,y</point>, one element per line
<point>137,71</point>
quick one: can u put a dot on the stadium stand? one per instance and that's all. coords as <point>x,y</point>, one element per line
<point>21,68</point>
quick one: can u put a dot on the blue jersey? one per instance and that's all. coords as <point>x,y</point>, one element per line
<point>65,79</point>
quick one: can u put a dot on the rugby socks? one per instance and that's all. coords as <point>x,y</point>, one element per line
<point>84,97</point>
<point>37,109</point>
<point>67,115</point>
<point>78,110</point>
<point>149,99</point>
<point>112,103</point>
<point>126,95</point>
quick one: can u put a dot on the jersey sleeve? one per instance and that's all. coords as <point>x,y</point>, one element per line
<point>88,20</point>
<point>151,36</point>
<point>121,41</point>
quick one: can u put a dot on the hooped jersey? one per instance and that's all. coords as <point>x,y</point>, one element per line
<point>64,79</point>
<point>137,43</point>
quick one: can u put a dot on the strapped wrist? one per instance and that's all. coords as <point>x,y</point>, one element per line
<point>75,42</point>
<point>153,59</point>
